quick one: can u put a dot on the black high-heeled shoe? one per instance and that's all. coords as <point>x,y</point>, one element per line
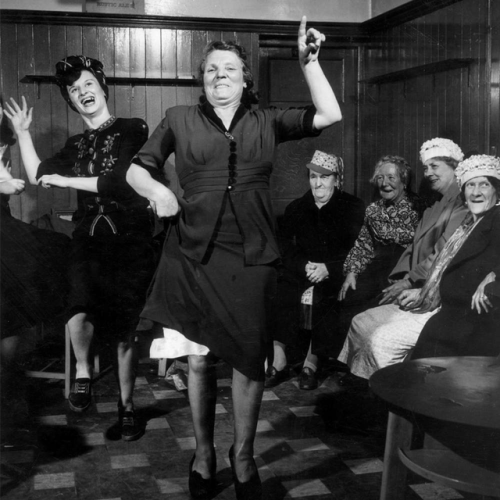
<point>199,487</point>
<point>249,490</point>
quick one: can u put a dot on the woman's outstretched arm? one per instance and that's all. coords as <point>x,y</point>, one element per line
<point>20,118</point>
<point>327,108</point>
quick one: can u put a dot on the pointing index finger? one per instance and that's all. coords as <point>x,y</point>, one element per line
<point>302,27</point>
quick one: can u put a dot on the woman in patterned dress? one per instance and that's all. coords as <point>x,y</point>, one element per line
<point>112,254</point>
<point>387,230</point>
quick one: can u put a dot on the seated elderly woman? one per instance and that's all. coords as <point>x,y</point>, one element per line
<point>466,271</point>
<point>388,229</point>
<point>385,334</point>
<point>317,231</point>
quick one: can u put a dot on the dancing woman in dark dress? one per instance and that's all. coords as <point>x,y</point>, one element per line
<point>217,277</point>
<point>112,257</point>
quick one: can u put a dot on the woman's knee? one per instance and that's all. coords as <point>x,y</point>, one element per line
<point>199,364</point>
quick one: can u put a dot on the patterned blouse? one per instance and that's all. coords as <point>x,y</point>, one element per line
<point>105,153</point>
<point>384,224</point>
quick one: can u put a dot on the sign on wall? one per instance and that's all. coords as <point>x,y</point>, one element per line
<point>114,6</point>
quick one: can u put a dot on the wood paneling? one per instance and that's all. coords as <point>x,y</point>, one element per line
<point>397,117</point>
<point>283,85</point>
<point>393,117</point>
<point>33,46</point>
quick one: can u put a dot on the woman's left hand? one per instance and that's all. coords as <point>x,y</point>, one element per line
<point>316,272</point>
<point>406,297</point>
<point>479,299</point>
<point>53,180</point>
<point>308,42</point>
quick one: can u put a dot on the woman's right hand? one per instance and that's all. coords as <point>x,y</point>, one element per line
<point>20,117</point>
<point>349,282</point>
<point>12,186</point>
<point>164,203</point>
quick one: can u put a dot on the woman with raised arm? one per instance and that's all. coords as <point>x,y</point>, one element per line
<point>217,276</point>
<point>112,254</point>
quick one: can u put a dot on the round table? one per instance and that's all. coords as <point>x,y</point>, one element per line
<point>464,391</point>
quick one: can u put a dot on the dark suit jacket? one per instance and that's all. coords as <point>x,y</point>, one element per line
<point>321,235</point>
<point>457,330</point>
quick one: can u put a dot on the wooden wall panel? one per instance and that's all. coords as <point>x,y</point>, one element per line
<point>9,80</point>
<point>153,70</point>
<point>135,51</point>
<point>397,117</point>
<point>388,118</point>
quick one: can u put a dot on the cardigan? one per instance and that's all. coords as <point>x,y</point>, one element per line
<point>438,223</point>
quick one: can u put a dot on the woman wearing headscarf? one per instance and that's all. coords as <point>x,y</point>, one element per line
<point>462,278</point>
<point>317,231</point>
<point>111,259</point>
<point>217,275</point>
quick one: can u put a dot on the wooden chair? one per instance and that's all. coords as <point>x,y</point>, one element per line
<point>66,375</point>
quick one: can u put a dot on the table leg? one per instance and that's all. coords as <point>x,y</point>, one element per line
<point>399,435</point>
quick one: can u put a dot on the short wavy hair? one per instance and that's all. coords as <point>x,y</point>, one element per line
<point>403,167</point>
<point>69,69</point>
<point>451,162</point>
<point>250,96</point>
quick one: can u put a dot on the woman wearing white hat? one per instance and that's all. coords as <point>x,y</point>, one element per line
<point>465,273</point>
<point>385,335</point>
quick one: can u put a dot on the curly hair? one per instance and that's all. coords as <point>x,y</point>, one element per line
<point>403,167</point>
<point>249,96</point>
<point>69,69</point>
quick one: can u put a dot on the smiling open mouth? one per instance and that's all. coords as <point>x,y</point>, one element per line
<point>87,100</point>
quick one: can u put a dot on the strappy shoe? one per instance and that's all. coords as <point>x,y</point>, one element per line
<point>249,490</point>
<point>274,377</point>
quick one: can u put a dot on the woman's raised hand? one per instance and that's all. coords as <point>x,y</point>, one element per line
<point>309,42</point>
<point>20,117</point>
<point>349,282</point>
<point>479,299</point>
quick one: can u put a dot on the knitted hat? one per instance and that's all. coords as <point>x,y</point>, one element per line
<point>440,147</point>
<point>327,164</point>
<point>477,166</point>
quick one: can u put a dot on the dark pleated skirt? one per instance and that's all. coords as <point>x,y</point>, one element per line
<point>110,277</point>
<point>220,303</point>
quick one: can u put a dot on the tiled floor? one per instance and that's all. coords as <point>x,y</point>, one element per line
<point>322,444</point>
